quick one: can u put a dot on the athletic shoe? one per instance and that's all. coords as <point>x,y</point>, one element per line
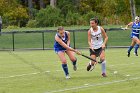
<point>67,77</point>
<point>90,66</point>
<point>104,75</point>
<point>128,54</point>
<point>100,62</point>
<point>74,67</point>
<point>136,54</point>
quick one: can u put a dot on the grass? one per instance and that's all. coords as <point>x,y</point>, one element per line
<point>119,38</point>
<point>34,40</point>
<point>54,28</point>
<point>19,73</point>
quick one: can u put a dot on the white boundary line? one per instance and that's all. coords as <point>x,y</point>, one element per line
<point>121,65</point>
<point>21,75</point>
<point>91,85</point>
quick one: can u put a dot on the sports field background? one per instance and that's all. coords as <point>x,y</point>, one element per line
<point>40,72</point>
<point>34,40</point>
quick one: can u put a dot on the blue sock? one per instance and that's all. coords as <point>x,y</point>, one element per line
<point>74,62</point>
<point>103,66</point>
<point>65,68</point>
<point>129,49</point>
<point>136,48</point>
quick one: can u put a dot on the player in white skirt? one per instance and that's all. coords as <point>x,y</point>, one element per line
<point>96,34</point>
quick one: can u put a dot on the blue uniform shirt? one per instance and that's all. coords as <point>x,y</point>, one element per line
<point>135,30</point>
<point>57,46</point>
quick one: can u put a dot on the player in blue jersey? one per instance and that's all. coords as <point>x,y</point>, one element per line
<point>62,46</point>
<point>134,36</point>
<point>137,45</point>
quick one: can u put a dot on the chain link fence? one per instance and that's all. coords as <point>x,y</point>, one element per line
<point>45,39</point>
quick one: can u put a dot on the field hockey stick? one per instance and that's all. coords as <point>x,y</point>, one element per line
<point>124,28</point>
<point>129,29</point>
<point>87,57</point>
<point>98,58</point>
<point>121,28</point>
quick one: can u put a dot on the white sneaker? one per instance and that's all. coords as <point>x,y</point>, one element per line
<point>67,77</point>
<point>136,54</point>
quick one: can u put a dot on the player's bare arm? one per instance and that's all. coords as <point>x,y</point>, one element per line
<point>105,37</point>
<point>89,39</point>
<point>66,46</point>
<point>63,44</point>
<point>129,24</point>
<point>68,42</point>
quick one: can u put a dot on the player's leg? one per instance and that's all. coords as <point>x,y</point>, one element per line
<point>73,59</point>
<point>103,63</point>
<point>91,64</point>
<point>61,55</point>
<point>131,47</point>
<point>136,49</point>
<point>137,45</point>
<point>136,40</point>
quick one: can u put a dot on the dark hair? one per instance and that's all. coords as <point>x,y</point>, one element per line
<point>96,20</point>
<point>60,28</point>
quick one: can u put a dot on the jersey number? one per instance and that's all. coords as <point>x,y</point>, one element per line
<point>97,38</point>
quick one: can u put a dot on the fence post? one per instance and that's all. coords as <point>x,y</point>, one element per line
<point>106,32</point>
<point>73,39</point>
<point>13,38</point>
<point>43,39</point>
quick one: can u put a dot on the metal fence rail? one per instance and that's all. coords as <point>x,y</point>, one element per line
<point>78,39</point>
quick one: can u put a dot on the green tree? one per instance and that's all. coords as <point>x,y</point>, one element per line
<point>48,17</point>
<point>12,13</point>
<point>72,18</point>
<point>16,16</point>
<point>6,5</point>
<point>68,12</point>
<point>137,3</point>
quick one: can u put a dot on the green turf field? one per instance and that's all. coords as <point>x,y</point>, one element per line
<point>41,72</point>
<point>54,28</point>
<point>34,40</point>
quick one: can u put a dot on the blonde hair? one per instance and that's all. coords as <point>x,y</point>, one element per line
<point>137,18</point>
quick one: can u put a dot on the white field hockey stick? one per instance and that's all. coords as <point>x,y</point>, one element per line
<point>129,29</point>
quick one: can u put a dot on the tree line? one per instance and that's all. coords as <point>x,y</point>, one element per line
<point>44,13</point>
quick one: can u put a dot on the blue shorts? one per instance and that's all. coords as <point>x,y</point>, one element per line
<point>134,35</point>
<point>59,50</point>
